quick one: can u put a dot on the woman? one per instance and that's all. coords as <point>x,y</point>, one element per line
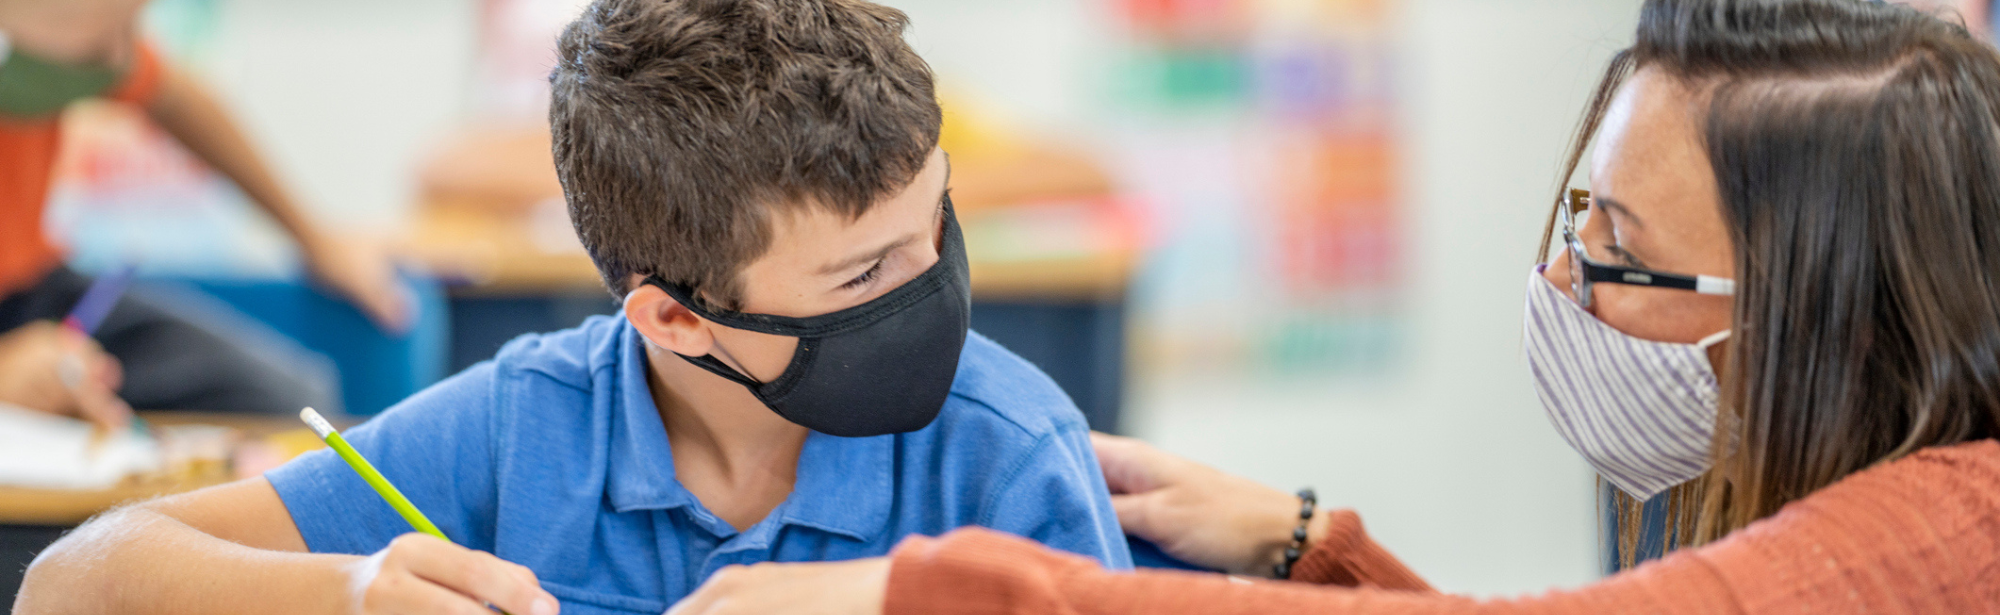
<point>1801,196</point>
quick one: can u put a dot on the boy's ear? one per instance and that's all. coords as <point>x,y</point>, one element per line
<point>666,323</point>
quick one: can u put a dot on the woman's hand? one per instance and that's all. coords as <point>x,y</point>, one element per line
<point>420,574</point>
<point>1197,513</point>
<point>853,587</point>
<point>366,276</point>
<point>53,369</point>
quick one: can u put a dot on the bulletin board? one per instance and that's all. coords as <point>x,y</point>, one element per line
<point>1260,135</point>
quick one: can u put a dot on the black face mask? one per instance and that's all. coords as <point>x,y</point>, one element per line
<point>882,367</point>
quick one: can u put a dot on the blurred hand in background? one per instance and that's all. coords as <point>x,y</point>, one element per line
<point>364,274</point>
<point>54,369</point>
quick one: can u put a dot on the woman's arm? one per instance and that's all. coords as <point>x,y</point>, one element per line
<point>1230,523</point>
<point>974,571</point>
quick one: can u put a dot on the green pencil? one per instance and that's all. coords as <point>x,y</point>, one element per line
<point>367,471</point>
<point>375,479</point>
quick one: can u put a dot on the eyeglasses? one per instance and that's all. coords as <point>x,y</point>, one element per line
<point>1585,271</point>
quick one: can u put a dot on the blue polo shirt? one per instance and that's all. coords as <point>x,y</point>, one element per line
<point>553,456</point>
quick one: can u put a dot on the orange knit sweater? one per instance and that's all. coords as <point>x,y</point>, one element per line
<point>1917,535</point>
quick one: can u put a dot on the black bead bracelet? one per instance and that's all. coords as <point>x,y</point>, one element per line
<point>1308,502</point>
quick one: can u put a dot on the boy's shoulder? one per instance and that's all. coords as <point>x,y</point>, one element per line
<point>994,383</point>
<point>568,357</point>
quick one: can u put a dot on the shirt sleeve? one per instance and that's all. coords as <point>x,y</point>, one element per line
<point>1056,496</point>
<point>435,447</point>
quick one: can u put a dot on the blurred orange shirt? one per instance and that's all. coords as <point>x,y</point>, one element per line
<point>27,164</point>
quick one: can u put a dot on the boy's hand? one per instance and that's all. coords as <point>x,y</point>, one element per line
<point>422,575</point>
<point>53,369</point>
<point>852,587</point>
<point>1197,513</point>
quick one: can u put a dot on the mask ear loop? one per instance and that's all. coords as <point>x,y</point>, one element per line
<point>707,361</point>
<point>1712,340</point>
<point>717,367</point>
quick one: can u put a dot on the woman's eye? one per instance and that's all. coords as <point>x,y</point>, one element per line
<point>864,278</point>
<point>1624,258</point>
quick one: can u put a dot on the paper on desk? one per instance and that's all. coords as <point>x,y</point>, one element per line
<point>51,452</point>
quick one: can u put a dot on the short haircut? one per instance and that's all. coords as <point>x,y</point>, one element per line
<point>679,125</point>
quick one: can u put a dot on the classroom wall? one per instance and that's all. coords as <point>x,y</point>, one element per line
<point>346,97</point>
<point>1447,455</point>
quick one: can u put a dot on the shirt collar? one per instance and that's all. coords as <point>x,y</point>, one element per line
<point>844,485</point>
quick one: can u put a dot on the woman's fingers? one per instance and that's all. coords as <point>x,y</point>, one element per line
<point>1129,466</point>
<point>1135,514</point>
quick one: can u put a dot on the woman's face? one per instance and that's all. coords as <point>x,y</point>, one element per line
<point>1655,206</point>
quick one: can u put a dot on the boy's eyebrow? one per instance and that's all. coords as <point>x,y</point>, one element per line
<point>859,259</point>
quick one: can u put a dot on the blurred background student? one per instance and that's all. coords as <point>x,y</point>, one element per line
<point>57,52</point>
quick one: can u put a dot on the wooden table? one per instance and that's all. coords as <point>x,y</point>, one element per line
<point>31,519</point>
<point>53,507</point>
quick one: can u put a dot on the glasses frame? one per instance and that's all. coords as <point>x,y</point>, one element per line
<point>1585,272</point>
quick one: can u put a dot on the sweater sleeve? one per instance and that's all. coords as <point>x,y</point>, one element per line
<point>1347,557</point>
<point>1917,535</point>
<point>980,572</point>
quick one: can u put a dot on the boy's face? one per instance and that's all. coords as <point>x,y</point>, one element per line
<point>819,262</point>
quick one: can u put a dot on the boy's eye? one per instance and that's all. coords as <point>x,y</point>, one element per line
<point>864,278</point>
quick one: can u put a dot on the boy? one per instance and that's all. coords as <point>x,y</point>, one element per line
<point>792,378</point>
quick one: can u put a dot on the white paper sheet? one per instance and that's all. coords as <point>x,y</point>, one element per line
<point>51,452</point>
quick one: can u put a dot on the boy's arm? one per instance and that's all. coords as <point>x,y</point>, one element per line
<point>184,108</point>
<point>234,549</point>
<point>1057,497</point>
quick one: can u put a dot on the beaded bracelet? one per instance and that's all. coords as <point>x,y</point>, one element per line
<point>1308,501</point>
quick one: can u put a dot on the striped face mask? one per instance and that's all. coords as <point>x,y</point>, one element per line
<point>1642,412</point>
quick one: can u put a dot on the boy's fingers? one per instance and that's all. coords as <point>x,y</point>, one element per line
<point>413,595</point>
<point>479,575</point>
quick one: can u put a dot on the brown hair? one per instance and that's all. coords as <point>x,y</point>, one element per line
<point>678,124</point>
<point>1855,151</point>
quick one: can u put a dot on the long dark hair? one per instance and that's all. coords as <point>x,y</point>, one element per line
<point>1856,149</point>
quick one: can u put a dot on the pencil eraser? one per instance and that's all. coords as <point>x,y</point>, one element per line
<point>316,422</point>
